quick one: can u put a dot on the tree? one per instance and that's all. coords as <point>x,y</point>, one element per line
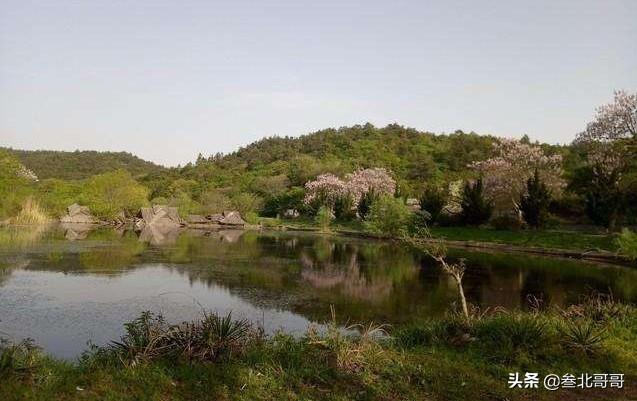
<point>388,215</point>
<point>109,194</point>
<point>433,200</point>
<point>476,209</point>
<point>534,204</point>
<point>505,175</point>
<point>609,142</point>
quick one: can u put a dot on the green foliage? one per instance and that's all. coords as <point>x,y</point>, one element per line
<point>56,195</point>
<point>627,242</point>
<point>324,218</point>
<point>535,203</point>
<point>433,200</point>
<point>79,165</point>
<point>109,194</point>
<point>18,359</point>
<point>476,209</point>
<point>14,186</point>
<point>604,199</point>
<point>582,335</point>
<point>277,205</point>
<point>344,208</point>
<point>388,215</point>
<point>246,203</point>
<point>365,204</point>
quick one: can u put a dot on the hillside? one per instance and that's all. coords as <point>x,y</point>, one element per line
<point>81,164</point>
<point>413,156</point>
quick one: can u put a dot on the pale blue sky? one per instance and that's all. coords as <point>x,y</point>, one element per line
<point>169,79</point>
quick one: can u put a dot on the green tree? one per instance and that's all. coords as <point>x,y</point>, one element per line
<point>476,208</point>
<point>110,193</point>
<point>388,215</point>
<point>534,205</point>
<point>433,200</point>
<point>324,218</point>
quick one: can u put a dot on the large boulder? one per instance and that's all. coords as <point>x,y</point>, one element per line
<point>77,214</point>
<point>159,215</point>
<point>232,218</point>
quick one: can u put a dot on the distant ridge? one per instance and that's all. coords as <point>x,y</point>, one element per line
<point>79,165</point>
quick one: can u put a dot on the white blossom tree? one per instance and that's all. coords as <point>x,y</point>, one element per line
<point>505,175</point>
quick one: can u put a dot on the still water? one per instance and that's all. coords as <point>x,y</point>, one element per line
<point>65,287</point>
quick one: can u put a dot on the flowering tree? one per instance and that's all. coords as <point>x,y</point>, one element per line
<point>324,190</point>
<point>506,174</point>
<point>327,189</point>
<point>613,121</point>
<point>375,180</point>
<point>609,141</point>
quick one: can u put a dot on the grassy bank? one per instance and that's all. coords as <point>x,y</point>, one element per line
<point>446,359</point>
<point>549,239</point>
<point>557,239</point>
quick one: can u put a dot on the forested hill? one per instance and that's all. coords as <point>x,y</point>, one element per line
<point>414,157</point>
<point>81,164</point>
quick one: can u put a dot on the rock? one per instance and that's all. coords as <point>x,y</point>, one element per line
<point>197,219</point>
<point>413,204</point>
<point>77,214</point>
<point>232,218</point>
<point>291,214</point>
<point>159,215</point>
<point>215,218</point>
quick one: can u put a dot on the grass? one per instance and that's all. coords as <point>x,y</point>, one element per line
<point>31,213</point>
<point>554,239</point>
<point>544,239</point>
<point>445,359</point>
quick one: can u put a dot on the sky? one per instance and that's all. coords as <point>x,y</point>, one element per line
<point>167,80</point>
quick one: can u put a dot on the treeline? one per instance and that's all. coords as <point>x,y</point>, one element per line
<point>79,165</point>
<point>591,181</point>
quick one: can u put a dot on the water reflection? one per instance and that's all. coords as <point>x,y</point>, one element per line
<point>79,284</point>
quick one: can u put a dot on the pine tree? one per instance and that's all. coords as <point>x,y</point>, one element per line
<point>534,204</point>
<point>476,209</point>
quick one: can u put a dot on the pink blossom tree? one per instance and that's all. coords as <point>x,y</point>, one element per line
<point>610,142</point>
<point>505,175</point>
<point>327,189</point>
<point>324,190</point>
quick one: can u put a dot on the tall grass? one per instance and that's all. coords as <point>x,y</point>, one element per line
<point>627,242</point>
<point>31,213</point>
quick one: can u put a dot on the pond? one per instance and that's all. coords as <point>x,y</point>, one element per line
<point>65,287</point>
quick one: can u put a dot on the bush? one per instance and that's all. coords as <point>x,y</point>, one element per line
<point>433,200</point>
<point>110,193</point>
<point>627,242</point>
<point>31,213</point>
<point>419,224</point>
<point>276,206</point>
<point>534,205</point>
<point>365,203</point>
<point>388,215</point>
<point>324,218</point>
<point>344,208</point>
<point>246,203</point>
<point>476,209</point>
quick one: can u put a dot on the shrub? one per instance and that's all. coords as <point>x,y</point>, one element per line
<point>31,213</point>
<point>215,201</point>
<point>510,334</point>
<point>388,215</point>
<point>627,242</point>
<point>433,200</point>
<point>535,203</point>
<point>344,208</point>
<point>365,204</point>
<point>276,205</point>
<point>582,335</point>
<point>324,218</point>
<point>246,203</point>
<point>110,193</point>
<point>18,359</point>
<point>419,223</point>
<point>476,209</point>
